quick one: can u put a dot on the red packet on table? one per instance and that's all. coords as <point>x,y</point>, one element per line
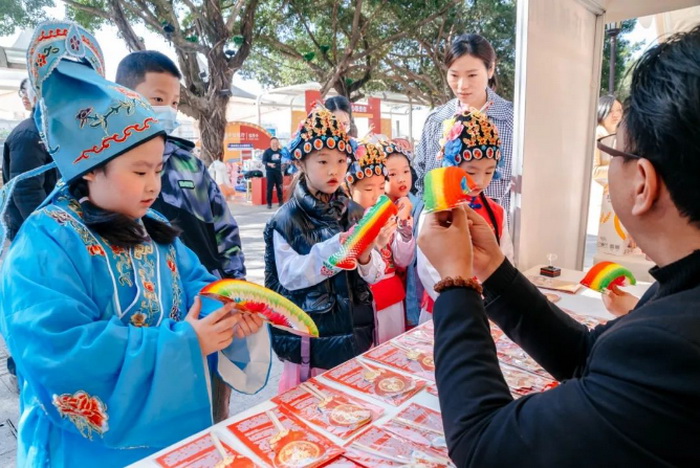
<point>342,462</point>
<point>334,411</point>
<point>423,333</point>
<point>496,331</point>
<point>523,383</point>
<point>379,448</point>
<point>513,355</point>
<point>421,426</point>
<point>382,384</point>
<point>555,284</point>
<point>590,322</point>
<point>432,389</point>
<point>202,453</point>
<point>301,446</point>
<point>416,360</point>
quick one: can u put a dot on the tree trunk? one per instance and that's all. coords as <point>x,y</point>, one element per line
<point>212,128</point>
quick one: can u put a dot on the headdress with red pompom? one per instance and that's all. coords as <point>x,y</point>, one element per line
<point>469,135</point>
<point>370,160</point>
<point>320,129</point>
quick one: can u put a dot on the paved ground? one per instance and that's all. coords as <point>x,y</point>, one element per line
<point>251,220</point>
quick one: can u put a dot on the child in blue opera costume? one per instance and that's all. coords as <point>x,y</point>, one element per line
<point>98,297</point>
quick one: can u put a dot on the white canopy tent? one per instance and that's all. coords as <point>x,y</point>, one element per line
<point>559,45</point>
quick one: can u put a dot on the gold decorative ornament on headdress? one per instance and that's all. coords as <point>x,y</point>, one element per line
<point>318,130</point>
<point>370,160</point>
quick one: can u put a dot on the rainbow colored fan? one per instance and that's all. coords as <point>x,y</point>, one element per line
<point>606,275</point>
<point>274,308</point>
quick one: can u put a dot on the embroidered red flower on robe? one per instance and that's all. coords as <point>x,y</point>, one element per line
<point>88,413</point>
<point>94,249</point>
<point>171,265</point>
<point>148,286</point>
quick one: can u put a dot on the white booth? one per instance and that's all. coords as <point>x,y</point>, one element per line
<point>557,84</point>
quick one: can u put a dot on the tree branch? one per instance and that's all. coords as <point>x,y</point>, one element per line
<point>88,9</point>
<point>133,41</point>
<point>231,20</point>
<point>302,19</point>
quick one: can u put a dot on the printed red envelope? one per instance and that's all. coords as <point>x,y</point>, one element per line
<point>299,446</point>
<point>423,332</point>
<point>202,453</point>
<point>513,355</point>
<point>342,462</point>
<point>432,389</point>
<point>379,448</point>
<point>419,335</point>
<point>496,331</point>
<point>385,385</point>
<point>416,360</point>
<point>422,415</point>
<point>523,383</point>
<point>339,413</point>
<point>420,425</point>
<point>590,322</point>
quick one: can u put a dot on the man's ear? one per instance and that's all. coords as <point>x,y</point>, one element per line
<point>90,176</point>
<point>647,187</point>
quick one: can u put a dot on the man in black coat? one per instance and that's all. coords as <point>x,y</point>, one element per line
<point>630,389</point>
<point>22,152</point>
<point>272,159</point>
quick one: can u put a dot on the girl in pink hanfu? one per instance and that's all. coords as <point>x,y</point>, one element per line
<point>367,178</point>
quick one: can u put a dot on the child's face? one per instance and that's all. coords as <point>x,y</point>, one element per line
<point>367,191</point>
<point>399,181</point>
<point>343,119</point>
<point>325,170</point>
<point>130,183</point>
<point>161,89</point>
<point>481,171</point>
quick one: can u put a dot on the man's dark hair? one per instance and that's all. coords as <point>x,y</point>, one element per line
<point>662,117</point>
<point>132,70</point>
<point>274,138</point>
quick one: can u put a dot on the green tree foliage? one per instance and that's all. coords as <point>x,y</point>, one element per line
<point>624,59</point>
<point>212,39</point>
<point>20,14</point>
<point>356,46</point>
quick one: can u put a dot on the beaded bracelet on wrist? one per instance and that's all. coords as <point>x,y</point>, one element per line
<point>458,282</point>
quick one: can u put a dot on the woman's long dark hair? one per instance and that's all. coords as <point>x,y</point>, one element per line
<point>476,46</point>
<point>118,229</point>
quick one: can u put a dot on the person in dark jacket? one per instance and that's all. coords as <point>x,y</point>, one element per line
<point>22,152</point>
<point>189,196</point>
<point>304,233</point>
<point>272,159</point>
<point>630,389</point>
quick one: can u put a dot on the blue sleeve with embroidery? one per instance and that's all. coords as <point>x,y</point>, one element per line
<point>194,277</point>
<point>90,373</point>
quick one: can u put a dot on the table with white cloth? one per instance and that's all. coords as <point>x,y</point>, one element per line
<point>404,427</point>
